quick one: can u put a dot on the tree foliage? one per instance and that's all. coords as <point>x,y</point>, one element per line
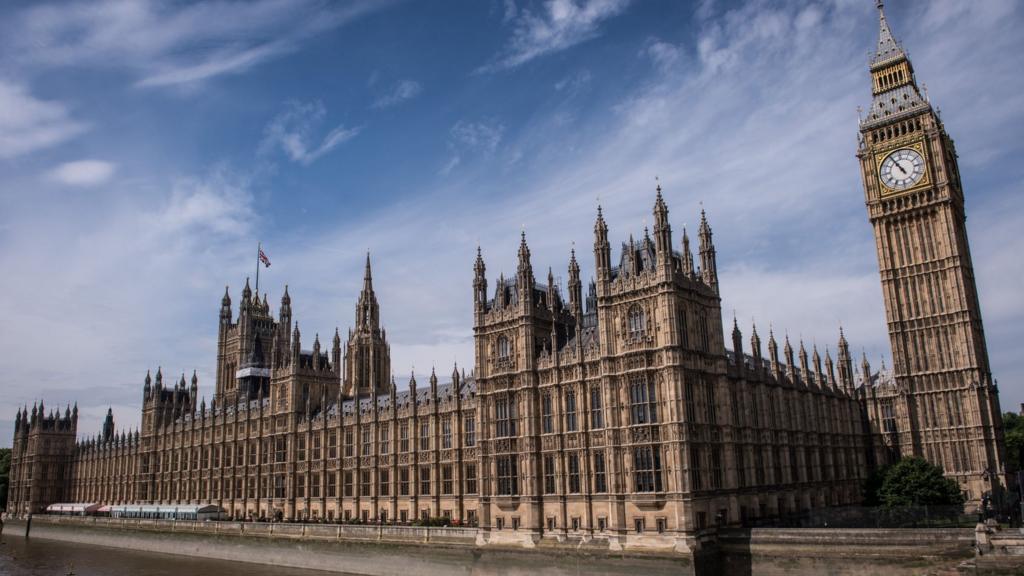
<point>5,470</point>
<point>1013,432</point>
<point>917,482</point>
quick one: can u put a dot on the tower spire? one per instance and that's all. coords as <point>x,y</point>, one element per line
<point>888,47</point>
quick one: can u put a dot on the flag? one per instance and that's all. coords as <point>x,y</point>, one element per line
<point>264,259</point>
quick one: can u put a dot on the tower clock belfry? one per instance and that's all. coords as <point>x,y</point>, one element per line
<point>946,404</point>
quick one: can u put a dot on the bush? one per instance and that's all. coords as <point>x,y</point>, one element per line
<point>917,482</point>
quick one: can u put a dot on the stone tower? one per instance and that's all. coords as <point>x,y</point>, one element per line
<point>947,406</point>
<point>367,353</point>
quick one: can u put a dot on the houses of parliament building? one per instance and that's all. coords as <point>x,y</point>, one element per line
<point>622,409</point>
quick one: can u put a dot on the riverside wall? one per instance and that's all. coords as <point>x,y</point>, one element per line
<point>403,550</point>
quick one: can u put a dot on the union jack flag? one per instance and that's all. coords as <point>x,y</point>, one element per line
<point>264,259</point>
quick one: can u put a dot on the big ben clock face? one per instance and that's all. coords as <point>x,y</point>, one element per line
<point>902,169</point>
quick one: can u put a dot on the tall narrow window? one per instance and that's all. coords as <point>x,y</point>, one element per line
<point>503,348</point>
<point>425,436</point>
<point>696,482</point>
<point>348,484</point>
<point>600,482</point>
<point>403,481</point>
<point>596,408</point>
<point>471,478</point>
<point>470,426</point>
<point>446,433</point>
<point>637,321</point>
<point>281,450</point>
<point>573,462</point>
<point>364,483</point>
<point>547,420</point>
<point>403,436</point>
<point>349,442</point>
<point>446,479</point>
<point>366,441</point>
<point>684,330</point>
<point>508,476</point>
<point>505,412</point>
<point>425,480</point>
<point>716,466</point>
<point>384,481</point>
<point>549,474</point>
<point>570,411</point>
<point>647,469</point>
<point>741,465</point>
<point>385,439</point>
<point>643,404</point>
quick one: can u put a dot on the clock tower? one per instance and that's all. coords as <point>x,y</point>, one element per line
<point>946,403</point>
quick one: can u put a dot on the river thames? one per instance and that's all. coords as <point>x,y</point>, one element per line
<point>41,557</point>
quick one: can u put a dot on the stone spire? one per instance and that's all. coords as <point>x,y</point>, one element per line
<point>687,256</point>
<point>524,271</point>
<point>888,48</point>
<point>479,282</point>
<point>602,250</point>
<point>367,310</point>
<point>737,343</point>
<point>225,307</point>
<point>662,232</point>
<point>708,265</point>
<point>575,289</point>
<point>755,346</point>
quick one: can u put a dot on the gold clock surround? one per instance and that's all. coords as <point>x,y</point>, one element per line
<point>880,156</point>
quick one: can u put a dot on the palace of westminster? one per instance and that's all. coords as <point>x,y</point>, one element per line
<point>622,409</point>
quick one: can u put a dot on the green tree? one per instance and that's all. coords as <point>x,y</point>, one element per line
<point>5,470</point>
<point>917,482</point>
<point>1013,433</point>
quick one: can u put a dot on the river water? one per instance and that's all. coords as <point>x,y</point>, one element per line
<point>40,557</point>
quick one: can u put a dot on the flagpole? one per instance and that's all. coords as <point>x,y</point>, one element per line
<point>259,246</point>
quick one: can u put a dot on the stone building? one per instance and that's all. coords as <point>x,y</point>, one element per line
<point>624,412</point>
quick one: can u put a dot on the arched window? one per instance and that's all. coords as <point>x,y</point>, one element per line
<point>637,321</point>
<point>503,349</point>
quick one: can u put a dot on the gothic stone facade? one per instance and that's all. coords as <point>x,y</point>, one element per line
<point>622,413</point>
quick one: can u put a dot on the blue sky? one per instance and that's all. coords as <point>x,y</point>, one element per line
<point>145,148</point>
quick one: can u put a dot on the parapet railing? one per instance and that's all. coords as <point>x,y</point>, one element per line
<point>374,532</point>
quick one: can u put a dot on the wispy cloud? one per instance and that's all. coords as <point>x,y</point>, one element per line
<point>664,55</point>
<point>83,172</point>
<point>170,44</point>
<point>293,132</point>
<point>472,139</point>
<point>404,90</point>
<point>557,25</point>
<point>574,83</point>
<point>125,287</point>
<point>28,123</point>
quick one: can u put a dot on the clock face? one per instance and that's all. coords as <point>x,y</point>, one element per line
<point>902,169</point>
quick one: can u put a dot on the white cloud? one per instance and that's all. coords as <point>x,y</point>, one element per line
<point>474,139</point>
<point>121,275</point>
<point>405,90</point>
<point>170,44</point>
<point>558,25</point>
<point>293,132</point>
<point>83,172</point>
<point>664,55</point>
<point>28,124</point>
<point>575,83</point>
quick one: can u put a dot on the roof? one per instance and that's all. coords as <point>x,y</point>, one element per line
<point>156,509</point>
<point>73,507</point>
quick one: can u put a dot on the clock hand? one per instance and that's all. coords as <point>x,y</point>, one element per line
<point>901,168</point>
